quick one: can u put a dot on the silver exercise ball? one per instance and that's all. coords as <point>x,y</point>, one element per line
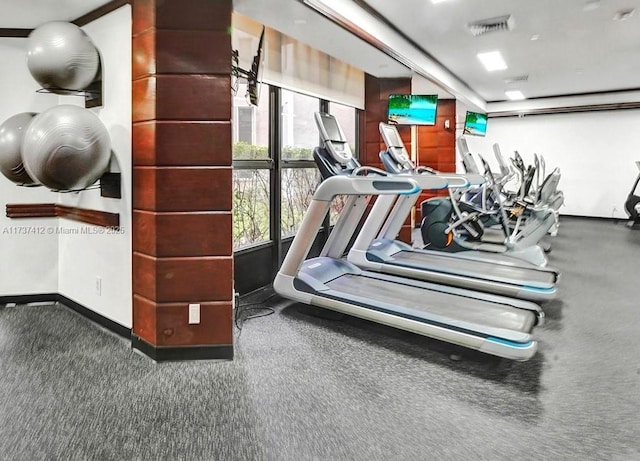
<point>66,148</point>
<point>12,133</point>
<point>61,56</point>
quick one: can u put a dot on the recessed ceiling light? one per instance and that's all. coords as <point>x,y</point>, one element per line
<point>438,1</point>
<point>514,95</point>
<point>534,37</point>
<point>492,60</point>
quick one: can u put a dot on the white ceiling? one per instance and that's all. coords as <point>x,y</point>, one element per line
<point>580,49</point>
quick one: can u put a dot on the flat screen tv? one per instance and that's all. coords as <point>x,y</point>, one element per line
<point>475,124</point>
<point>412,109</point>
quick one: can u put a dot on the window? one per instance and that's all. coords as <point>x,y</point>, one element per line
<point>251,174</point>
<point>300,176</point>
<point>274,174</point>
<point>245,125</point>
<point>250,125</point>
<point>298,186</point>
<point>299,131</point>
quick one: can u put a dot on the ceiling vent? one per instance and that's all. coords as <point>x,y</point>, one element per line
<point>484,26</point>
<point>516,79</point>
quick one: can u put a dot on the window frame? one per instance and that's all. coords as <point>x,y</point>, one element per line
<point>276,244</point>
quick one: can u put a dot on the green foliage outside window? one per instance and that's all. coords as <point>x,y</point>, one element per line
<point>246,151</point>
<point>251,194</point>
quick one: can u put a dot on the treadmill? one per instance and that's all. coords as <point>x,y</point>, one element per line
<point>489,323</point>
<point>376,249</point>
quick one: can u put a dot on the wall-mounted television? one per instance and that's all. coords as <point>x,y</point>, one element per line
<point>475,124</point>
<point>412,109</point>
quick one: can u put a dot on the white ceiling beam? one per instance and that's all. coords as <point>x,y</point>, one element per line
<point>374,31</point>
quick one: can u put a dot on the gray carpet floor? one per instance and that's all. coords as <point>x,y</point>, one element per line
<point>304,387</point>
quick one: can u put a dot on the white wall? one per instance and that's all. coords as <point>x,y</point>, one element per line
<point>28,247</point>
<point>69,256</point>
<point>595,151</point>
<point>85,257</point>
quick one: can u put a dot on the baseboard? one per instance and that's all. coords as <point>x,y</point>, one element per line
<point>95,317</point>
<point>182,353</point>
<point>71,304</point>
<point>26,299</point>
<point>594,218</point>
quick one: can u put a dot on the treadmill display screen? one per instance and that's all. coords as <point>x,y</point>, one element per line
<point>392,137</point>
<point>333,131</point>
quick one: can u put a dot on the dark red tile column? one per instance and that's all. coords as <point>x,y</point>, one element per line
<point>376,96</point>
<point>437,144</point>
<point>182,222</point>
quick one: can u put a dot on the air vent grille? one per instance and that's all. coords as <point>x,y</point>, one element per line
<point>497,24</point>
<point>516,79</point>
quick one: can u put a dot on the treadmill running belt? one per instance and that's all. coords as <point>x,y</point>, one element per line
<point>478,269</point>
<point>456,308</point>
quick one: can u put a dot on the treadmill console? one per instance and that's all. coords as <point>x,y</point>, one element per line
<point>333,139</point>
<point>395,145</point>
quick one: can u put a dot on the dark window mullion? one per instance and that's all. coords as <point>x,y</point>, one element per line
<point>298,164</point>
<point>275,148</point>
<point>326,224</point>
<point>253,164</point>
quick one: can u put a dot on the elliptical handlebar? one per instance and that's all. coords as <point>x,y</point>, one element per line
<point>504,220</point>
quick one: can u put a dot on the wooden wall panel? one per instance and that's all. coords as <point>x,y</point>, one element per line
<point>182,188</point>
<point>193,279</point>
<point>144,100</point>
<point>165,323</point>
<point>50,210</point>
<point>182,144</point>
<point>194,14</point>
<point>182,234</point>
<point>376,95</point>
<point>143,63</point>
<point>193,97</point>
<point>436,145</point>
<point>182,176</point>
<point>216,324</point>
<point>181,52</point>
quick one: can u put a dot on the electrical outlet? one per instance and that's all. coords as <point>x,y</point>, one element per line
<point>194,313</point>
<point>99,286</point>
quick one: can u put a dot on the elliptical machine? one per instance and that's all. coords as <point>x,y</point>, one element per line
<point>632,205</point>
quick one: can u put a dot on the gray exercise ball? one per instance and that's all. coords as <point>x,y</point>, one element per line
<point>12,133</point>
<point>60,55</point>
<point>66,148</point>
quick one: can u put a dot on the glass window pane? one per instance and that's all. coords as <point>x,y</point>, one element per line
<point>250,124</point>
<point>250,207</point>
<point>299,131</point>
<point>298,186</point>
<point>346,117</point>
<point>336,208</point>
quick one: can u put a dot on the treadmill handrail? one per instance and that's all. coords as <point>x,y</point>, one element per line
<point>429,181</point>
<point>358,185</point>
